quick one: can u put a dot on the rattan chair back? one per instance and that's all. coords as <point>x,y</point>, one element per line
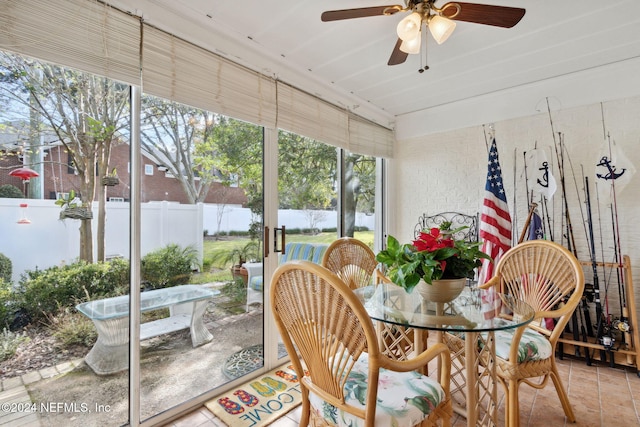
<point>324,325</point>
<point>550,279</point>
<point>352,260</point>
<point>546,276</point>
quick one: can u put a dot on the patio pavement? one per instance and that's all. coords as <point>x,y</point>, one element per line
<point>17,409</point>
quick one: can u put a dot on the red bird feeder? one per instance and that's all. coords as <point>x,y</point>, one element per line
<point>24,174</point>
<point>24,219</point>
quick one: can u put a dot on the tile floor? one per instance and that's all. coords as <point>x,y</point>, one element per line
<point>601,397</point>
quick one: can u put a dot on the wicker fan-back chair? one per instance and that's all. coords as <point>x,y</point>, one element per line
<point>324,325</point>
<point>352,260</point>
<point>550,279</point>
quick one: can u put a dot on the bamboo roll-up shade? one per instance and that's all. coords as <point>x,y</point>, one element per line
<point>82,34</point>
<point>369,138</point>
<point>307,115</point>
<point>177,70</point>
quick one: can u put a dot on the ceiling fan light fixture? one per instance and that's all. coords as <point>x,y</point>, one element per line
<point>441,28</point>
<point>412,46</point>
<point>409,27</point>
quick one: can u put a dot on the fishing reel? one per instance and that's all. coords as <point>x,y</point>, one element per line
<point>589,292</point>
<point>607,342</point>
<point>621,325</point>
<point>606,339</point>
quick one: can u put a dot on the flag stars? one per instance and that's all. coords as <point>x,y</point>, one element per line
<point>494,182</point>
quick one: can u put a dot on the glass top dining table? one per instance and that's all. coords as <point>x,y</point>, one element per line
<point>390,303</point>
<point>467,325</point>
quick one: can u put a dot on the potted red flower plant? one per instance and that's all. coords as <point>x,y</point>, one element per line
<point>434,255</point>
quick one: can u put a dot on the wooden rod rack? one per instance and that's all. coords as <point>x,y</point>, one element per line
<point>627,355</point>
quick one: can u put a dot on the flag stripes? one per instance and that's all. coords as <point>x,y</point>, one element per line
<point>495,221</point>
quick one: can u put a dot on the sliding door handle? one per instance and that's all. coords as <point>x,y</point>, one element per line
<point>282,231</point>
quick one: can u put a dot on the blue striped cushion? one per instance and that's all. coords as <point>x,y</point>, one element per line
<point>318,253</point>
<point>256,283</point>
<point>297,251</point>
<point>294,251</point>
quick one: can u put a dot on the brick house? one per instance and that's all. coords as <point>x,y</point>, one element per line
<point>59,176</point>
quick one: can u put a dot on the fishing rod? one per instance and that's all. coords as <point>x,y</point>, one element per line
<point>606,282</point>
<point>526,176</point>
<point>585,316</point>
<point>616,242</point>
<point>616,236</point>
<point>571,244</point>
<point>575,183</point>
<point>551,218</point>
<point>622,298</point>
<point>584,310</point>
<point>545,206</point>
<point>515,187</point>
<point>586,326</point>
<point>607,336</point>
<point>623,324</point>
<point>594,265</point>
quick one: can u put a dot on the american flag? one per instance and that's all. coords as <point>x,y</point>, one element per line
<point>495,221</point>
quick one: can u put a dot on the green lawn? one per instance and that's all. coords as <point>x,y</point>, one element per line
<point>215,252</point>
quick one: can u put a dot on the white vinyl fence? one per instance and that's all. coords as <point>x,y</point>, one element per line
<point>47,241</point>
<point>227,218</point>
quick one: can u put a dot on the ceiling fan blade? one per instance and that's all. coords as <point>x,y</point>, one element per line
<point>498,16</point>
<point>336,15</point>
<point>397,56</point>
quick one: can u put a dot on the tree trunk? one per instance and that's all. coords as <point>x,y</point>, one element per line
<point>102,215</point>
<point>87,193</point>
<point>349,197</point>
<point>86,240</point>
<point>103,155</point>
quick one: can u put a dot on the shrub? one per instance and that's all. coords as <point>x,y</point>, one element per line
<point>7,306</point>
<point>9,342</point>
<point>6,268</point>
<point>71,328</point>
<point>167,267</point>
<point>235,293</point>
<point>235,290</point>
<point>9,191</point>
<point>42,292</point>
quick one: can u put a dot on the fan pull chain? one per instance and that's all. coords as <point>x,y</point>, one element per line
<point>424,68</point>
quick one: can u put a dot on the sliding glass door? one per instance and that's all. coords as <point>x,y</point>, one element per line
<point>201,176</point>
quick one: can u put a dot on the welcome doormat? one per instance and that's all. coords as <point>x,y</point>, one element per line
<point>259,401</point>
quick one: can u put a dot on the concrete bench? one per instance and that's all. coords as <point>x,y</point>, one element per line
<point>110,353</point>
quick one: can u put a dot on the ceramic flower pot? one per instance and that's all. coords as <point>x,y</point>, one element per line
<point>443,290</point>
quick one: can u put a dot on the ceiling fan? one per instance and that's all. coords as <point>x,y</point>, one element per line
<point>439,20</point>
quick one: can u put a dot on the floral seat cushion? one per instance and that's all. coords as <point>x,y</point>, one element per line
<point>404,398</point>
<point>533,345</point>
